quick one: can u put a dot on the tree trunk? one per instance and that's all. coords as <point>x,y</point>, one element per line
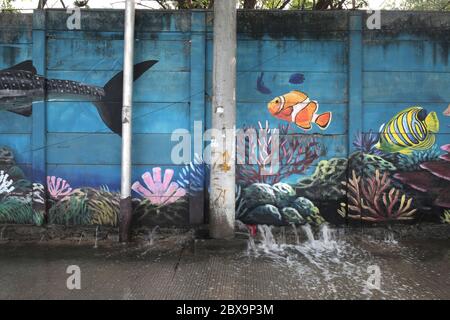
<point>42,4</point>
<point>285,3</point>
<point>250,4</point>
<point>184,4</point>
<point>323,5</point>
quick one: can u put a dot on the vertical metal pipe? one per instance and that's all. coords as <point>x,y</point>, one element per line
<point>125,195</point>
<point>223,178</point>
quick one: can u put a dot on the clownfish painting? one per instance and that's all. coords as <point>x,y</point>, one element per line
<point>296,107</point>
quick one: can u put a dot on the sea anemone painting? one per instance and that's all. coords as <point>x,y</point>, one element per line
<point>159,191</point>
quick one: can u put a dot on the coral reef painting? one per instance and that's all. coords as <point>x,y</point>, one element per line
<point>86,206</point>
<point>296,154</point>
<point>431,178</point>
<point>16,193</point>
<point>163,200</point>
<point>377,183</point>
<point>366,142</point>
<point>159,191</point>
<point>5,183</point>
<point>391,175</point>
<point>374,200</point>
<point>58,187</point>
<point>413,161</point>
<point>262,203</point>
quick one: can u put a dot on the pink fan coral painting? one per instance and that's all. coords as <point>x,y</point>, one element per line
<point>159,190</point>
<point>58,187</point>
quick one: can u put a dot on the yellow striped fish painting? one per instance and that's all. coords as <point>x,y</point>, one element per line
<point>409,130</point>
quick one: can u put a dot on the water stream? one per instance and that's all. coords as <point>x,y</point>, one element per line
<point>318,256</point>
<point>96,238</point>
<point>1,233</point>
<point>151,236</point>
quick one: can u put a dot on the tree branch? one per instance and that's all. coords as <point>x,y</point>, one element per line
<point>285,3</point>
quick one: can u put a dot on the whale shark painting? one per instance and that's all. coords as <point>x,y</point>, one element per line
<point>20,86</point>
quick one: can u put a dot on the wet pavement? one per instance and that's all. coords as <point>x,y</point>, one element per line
<point>335,266</point>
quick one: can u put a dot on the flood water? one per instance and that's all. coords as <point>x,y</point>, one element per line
<point>336,265</point>
<point>291,263</point>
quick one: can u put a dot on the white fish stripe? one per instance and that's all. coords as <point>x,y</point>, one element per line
<point>302,105</point>
<point>282,103</point>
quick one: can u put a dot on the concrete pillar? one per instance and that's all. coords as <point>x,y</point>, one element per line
<point>223,179</point>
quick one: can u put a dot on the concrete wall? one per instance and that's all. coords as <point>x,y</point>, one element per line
<point>362,77</point>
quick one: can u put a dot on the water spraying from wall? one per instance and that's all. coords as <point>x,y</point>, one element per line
<point>297,239</point>
<point>151,236</point>
<point>317,255</point>
<point>96,238</point>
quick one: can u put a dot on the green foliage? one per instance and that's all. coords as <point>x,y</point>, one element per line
<point>104,207</point>
<point>310,4</point>
<point>15,211</point>
<point>439,5</point>
<point>6,5</point>
<point>71,210</point>
<point>275,4</point>
<point>326,4</point>
<point>86,206</point>
<point>185,4</point>
<point>267,4</point>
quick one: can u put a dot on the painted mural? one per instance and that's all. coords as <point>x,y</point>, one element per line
<point>397,169</point>
<point>17,193</point>
<point>21,86</point>
<point>296,107</point>
<point>160,201</point>
<point>447,111</point>
<point>396,174</point>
